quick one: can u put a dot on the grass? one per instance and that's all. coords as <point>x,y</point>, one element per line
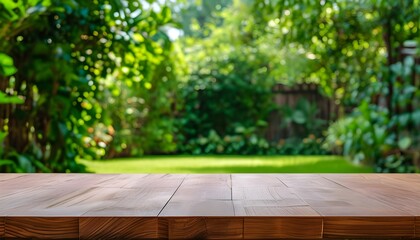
<point>226,164</point>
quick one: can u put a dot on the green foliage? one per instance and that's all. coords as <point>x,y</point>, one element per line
<point>309,145</point>
<point>363,135</point>
<point>243,141</point>
<point>103,79</point>
<point>224,102</point>
<point>227,94</point>
<point>65,52</point>
<point>6,65</point>
<point>345,43</point>
<point>142,112</point>
<point>199,18</point>
<point>373,135</point>
<point>301,120</point>
<point>355,52</point>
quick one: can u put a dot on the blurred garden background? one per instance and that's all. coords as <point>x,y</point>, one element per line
<point>209,86</point>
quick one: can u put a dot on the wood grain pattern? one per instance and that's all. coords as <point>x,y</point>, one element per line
<point>163,228</point>
<point>266,195</point>
<point>256,180</point>
<point>146,202</point>
<point>269,201</point>
<point>381,188</point>
<point>8,176</point>
<point>53,195</point>
<point>201,195</point>
<point>282,227</point>
<point>42,228</point>
<point>209,206</point>
<point>345,202</point>
<point>118,228</point>
<point>380,227</point>
<point>208,180</point>
<point>1,227</point>
<point>198,208</point>
<point>204,228</point>
<point>307,181</point>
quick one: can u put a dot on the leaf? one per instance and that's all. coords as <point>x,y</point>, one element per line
<point>416,117</point>
<point>7,67</point>
<point>166,14</point>
<point>41,166</point>
<point>6,162</point>
<point>404,143</point>
<point>403,119</point>
<point>5,99</point>
<point>409,61</point>
<point>397,68</point>
<point>9,6</point>
<point>299,117</point>
<point>25,164</point>
<point>3,135</point>
<point>35,9</point>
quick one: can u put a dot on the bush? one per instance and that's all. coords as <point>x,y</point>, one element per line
<point>387,137</point>
<point>232,104</point>
<point>310,145</point>
<point>366,137</point>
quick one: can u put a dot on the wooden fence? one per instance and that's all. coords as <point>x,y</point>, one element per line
<point>290,95</point>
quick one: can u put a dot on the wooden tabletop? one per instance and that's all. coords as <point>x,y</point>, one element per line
<point>209,206</point>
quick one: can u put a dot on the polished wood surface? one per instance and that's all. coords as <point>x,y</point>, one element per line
<point>209,206</point>
<point>1,227</point>
<point>418,227</point>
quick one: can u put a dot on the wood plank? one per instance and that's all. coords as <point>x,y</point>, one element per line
<point>61,202</point>
<point>202,228</point>
<point>379,227</point>
<point>397,196</point>
<point>201,195</point>
<point>42,228</point>
<point>269,201</point>
<point>155,180</point>
<point>118,228</point>
<point>145,202</point>
<point>409,182</point>
<point>2,220</point>
<point>208,180</point>
<point>138,195</point>
<point>88,195</point>
<point>25,181</point>
<point>8,176</point>
<point>307,181</point>
<point>163,228</point>
<point>141,180</point>
<point>198,208</point>
<point>119,180</point>
<point>282,227</point>
<point>277,200</point>
<point>271,208</point>
<point>214,206</point>
<point>27,192</point>
<point>345,202</point>
<point>256,180</point>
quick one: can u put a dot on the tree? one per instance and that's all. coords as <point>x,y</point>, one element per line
<point>62,51</point>
<point>356,48</point>
<point>348,41</point>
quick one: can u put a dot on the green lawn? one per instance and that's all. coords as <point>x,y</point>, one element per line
<point>226,164</point>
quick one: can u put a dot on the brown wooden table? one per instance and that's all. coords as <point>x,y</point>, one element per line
<point>212,206</point>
